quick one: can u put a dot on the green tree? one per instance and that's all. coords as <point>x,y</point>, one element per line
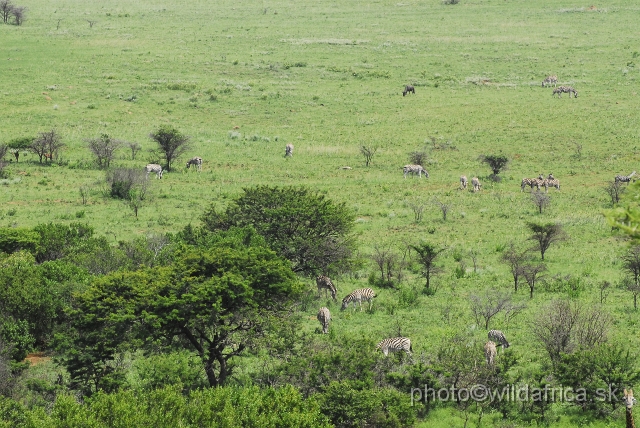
<point>546,234</point>
<point>426,255</point>
<point>212,301</point>
<point>497,163</point>
<point>18,144</point>
<point>14,239</point>
<point>171,143</point>
<point>303,226</point>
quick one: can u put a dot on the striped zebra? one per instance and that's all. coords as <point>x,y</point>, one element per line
<point>395,344</point>
<point>153,167</point>
<point>324,316</point>
<point>288,150</point>
<point>498,337</point>
<point>357,296</point>
<point>550,181</point>
<point>624,178</point>
<point>550,80</point>
<point>196,161</point>
<point>463,182</point>
<point>565,90</point>
<point>490,352</point>
<point>531,182</point>
<point>476,184</point>
<point>414,169</point>
<point>324,283</point>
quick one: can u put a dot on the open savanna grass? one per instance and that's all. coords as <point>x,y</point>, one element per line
<point>244,79</point>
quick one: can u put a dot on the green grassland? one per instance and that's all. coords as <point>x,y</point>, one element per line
<point>243,79</point>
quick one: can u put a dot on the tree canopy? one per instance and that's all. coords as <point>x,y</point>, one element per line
<point>303,226</point>
<point>212,301</point>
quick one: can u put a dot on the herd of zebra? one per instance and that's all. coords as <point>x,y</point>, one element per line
<point>196,161</point>
<point>392,344</point>
<point>539,182</point>
<point>559,90</point>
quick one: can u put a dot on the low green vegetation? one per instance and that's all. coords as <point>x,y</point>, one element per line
<point>131,295</point>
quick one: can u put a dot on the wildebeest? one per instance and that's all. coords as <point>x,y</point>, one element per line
<point>407,89</point>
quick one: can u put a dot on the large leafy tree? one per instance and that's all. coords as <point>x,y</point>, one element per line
<point>303,226</point>
<point>212,301</point>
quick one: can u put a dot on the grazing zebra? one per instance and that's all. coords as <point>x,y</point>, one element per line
<point>490,352</point>
<point>407,89</point>
<point>324,316</point>
<point>153,167</point>
<point>197,161</point>
<point>498,337</point>
<point>357,296</point>
<point>476,184</point>
<point>463,182</point>
<point>551,80</point>
<point>288,150</point>
<point>624,178</point>
<point>324,282</point>
<point>550,181</point>
<point>531,182</point>
<point>414,169</point>
<point>565,89</point>
<point>395,344</point>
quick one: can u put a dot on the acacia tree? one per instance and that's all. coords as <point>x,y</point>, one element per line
<point>214,302</point>
<point>303,226</point>
<point>546,234</point>
<point>368,152</point>
<point>5,10</point>
<point>104,148</point>
<point>47,145</point>
<point>426,255</point>
<point>497,163</point>
<point>171,143</point>
<point>18,144</point>
<point>516,260</point>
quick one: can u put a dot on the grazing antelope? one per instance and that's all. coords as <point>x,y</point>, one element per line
<point>324,316</point>
<point>357,296</point>
<point>550,80</point>
<point>490,352</point>
<point>498,337</point>
<point>324,283</point>
<point>395,344</point>
<point>476,184</point>
<point>153,167</point>
<point>197,161</point>
<point>288,150</point>
<point>463,182</point>
<point>407,89</point>
<point>414,169</point>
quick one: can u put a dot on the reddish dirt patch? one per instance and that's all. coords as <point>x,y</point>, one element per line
<point>37,358</point>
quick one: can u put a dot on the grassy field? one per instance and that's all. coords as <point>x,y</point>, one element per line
<point>244,79</point>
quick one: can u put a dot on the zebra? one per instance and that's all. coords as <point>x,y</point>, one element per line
<point>550,181</point>
<point>490,352</point>
<point>565,89</point>
<point>288,150</point>
<point>357,296</point>
<point>153,167</point>
<point>324,316</point>
<point>395,344</point>
<point>531,182</point>
<point>197,161</point>
<point>476,184</point>
<point>463,182</point>
<point>551,80</point>
<point>407,89</point>
<point>324,282</point>
<point>624,178</point>
<point>414,169</point>
<point>498,337</point>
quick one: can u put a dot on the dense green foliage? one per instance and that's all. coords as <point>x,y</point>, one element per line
<point>242,80</point>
